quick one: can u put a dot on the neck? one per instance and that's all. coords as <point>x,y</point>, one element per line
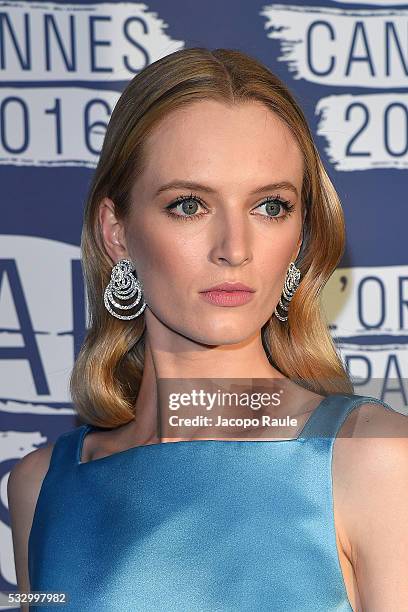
<point>169,355</point>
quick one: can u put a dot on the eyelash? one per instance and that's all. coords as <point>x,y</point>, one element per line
<point>286,205</point>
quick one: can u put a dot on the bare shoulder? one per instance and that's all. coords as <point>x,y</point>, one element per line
<point>368,428</point>
<point>28,472</point>
<point>23,488</point>
<point>374,420</point>
<point>370,472</point>
<point>372,440</point>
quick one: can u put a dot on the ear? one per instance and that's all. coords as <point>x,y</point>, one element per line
<point>112,231</point>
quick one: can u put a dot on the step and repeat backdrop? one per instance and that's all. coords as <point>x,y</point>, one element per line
<point>62,68</point>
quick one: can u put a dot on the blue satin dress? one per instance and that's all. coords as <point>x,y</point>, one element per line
<point>194,526</point>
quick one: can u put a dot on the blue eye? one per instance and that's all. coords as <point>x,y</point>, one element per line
<point>189,204</point>
<point>185,201</point>
<point>274,204</point>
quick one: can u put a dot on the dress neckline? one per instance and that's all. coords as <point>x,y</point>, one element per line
<point>87,428</point>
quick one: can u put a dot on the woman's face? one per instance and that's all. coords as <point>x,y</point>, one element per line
<point>225,231</point>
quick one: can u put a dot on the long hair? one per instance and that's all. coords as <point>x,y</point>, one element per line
<point>107,373</point>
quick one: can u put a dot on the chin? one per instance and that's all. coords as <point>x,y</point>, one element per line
<point>216,337</point>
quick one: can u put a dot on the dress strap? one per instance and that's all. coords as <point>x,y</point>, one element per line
<point>330,414</point>
<point>67,448</point>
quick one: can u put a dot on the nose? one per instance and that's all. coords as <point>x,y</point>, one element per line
<point>231,241</point>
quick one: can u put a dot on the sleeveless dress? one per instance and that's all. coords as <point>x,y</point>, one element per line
<point>194,526</point>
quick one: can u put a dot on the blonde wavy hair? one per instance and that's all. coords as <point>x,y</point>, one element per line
<point>107,373</point>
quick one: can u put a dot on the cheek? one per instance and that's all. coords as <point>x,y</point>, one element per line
<point>274,255</point>
<point>165,263</point>
<point>273,258</point>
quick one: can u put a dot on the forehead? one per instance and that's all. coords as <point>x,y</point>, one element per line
<point>228,145</point>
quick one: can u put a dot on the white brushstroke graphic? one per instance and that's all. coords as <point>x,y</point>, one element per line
<point>374,2</point>
<point>366,310</point>
<point>85,41</point>
<point>51,127</point>
<point>366,131</point>
<point>39,293</point>
<point>343,47</point>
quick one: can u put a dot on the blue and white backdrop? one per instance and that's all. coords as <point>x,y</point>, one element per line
<point>62,68</point>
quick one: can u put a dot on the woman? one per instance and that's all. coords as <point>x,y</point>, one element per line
<point>209,175</point>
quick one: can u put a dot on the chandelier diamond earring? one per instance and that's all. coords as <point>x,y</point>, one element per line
<point>291,284</point>
<point>123,285</point>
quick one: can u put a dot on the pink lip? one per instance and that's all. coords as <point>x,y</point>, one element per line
<point>227,298</point>
<point>227,286</point>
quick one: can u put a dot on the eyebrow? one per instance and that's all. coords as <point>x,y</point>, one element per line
<point>179,184</point>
